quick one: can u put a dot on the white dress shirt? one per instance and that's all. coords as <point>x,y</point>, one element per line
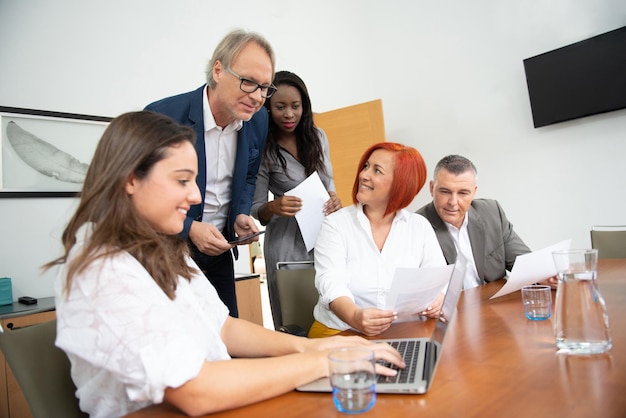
<point>126,340</point>
<point>221,150</point>
<point>463,246</point>
<point>348,262</point>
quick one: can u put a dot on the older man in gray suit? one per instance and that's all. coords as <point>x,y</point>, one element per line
<point>476,228</point>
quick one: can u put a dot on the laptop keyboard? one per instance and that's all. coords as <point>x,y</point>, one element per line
<point>409,350</point>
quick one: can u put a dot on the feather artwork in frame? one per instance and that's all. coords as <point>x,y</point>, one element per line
<point>45,157</point>
<point>46,154</point>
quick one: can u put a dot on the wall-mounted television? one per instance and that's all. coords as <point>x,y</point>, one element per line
<point>578,80</point>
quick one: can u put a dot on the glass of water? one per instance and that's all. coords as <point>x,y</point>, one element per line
<point>353,378</point>
<point>537,300</point>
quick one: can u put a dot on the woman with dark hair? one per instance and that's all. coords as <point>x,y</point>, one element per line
<point>295,148</point>
<point>360,247</point>
<point>137,319</point>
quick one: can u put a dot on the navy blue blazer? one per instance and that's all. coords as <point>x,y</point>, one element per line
<point>187,109</point>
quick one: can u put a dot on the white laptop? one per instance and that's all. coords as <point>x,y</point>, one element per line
<point>421,355</point>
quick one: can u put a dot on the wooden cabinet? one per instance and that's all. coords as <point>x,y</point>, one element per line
<point>248,289</point>
<point>12,401</point>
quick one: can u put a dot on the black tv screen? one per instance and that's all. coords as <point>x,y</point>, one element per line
<point>578,80</point>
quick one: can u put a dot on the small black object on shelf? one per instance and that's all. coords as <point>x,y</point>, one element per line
<point>27,300</point>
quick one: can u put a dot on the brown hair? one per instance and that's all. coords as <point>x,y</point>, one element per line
<point>132,144</point>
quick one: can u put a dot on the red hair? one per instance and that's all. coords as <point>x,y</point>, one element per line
<point>409,174</point>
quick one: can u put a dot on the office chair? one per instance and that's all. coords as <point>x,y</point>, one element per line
<point>610,241</point>
<point>42,370</point>
<point>298,296</point>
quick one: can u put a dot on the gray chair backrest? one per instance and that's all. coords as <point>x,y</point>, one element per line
<point>609,241</point>
<point>297,292</point>
<point>42,370</point>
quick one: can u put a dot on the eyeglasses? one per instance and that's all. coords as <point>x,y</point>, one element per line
<point>248,86</point>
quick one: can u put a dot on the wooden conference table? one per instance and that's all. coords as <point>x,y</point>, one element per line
<point>495,363</point>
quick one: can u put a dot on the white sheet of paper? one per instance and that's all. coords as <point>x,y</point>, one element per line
<point>531,268</point>
<point>413,289</point>
<point>310,217</point>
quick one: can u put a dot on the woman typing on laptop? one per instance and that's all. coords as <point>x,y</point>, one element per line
<point>136,317</point>
<point>360,246</point>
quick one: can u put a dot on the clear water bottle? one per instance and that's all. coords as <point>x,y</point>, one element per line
<point>581,321</point>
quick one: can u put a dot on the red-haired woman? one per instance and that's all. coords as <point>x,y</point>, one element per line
<point>360,246</point>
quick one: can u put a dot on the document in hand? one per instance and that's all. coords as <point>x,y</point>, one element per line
<point>413,289</point>
<point>310,217</point>
<point>532,268</point>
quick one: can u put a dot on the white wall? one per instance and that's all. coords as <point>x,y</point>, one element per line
<point>450,75</point>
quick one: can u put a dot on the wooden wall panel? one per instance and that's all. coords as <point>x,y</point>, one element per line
<point>350,131</point>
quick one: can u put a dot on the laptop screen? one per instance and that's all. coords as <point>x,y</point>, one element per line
<point>446,316</point>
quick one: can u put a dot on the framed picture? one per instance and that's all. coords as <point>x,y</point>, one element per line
<point>46,154</point>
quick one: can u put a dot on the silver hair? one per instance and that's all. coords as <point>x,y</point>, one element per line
<point>229,48</point>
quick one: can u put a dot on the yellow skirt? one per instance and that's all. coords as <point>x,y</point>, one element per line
<point>319,330</point>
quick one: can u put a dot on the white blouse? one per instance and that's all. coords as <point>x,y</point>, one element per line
<point>348,262</point>
<point>126,340</point>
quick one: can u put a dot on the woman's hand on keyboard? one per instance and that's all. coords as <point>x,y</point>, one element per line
<point>383,352</point>
<point>388,360</point>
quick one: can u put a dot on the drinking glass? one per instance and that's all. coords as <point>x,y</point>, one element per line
<point>537,300</point>
<point>353,378</point>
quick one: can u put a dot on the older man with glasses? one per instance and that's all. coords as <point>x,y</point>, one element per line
<point>230,138</point>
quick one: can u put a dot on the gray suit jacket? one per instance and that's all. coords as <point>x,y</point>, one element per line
<point>495,245</point>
